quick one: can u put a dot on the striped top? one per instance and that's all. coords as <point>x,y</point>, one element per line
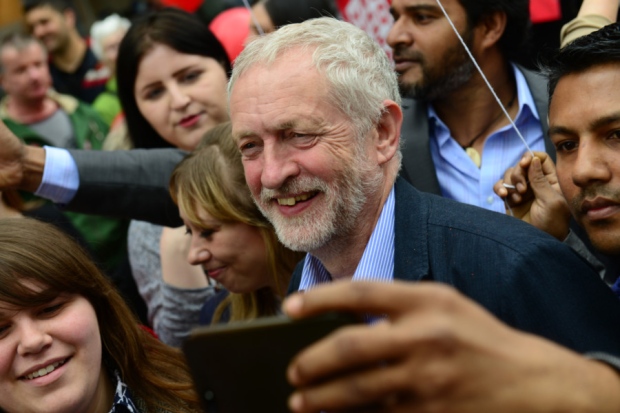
<point>377,263</point>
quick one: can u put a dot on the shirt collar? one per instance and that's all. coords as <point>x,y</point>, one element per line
<point>527,107</point>
<point>377,262</point>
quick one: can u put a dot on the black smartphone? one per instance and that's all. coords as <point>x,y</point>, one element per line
<point>241,367</point>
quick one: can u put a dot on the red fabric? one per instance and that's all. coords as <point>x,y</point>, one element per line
<point>187,5</point>
<point>542,11</point>
<point>372,16</point>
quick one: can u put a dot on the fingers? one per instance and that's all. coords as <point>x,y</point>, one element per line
<point>422,316</point>
<point>369,366</point>
<point>362,346</point>
<point>389,299</point>
<point>542,180</point>
<point>552,214</point>
<point>513,187</point>
<point>548,168</point>
<point>503,186</point>
<point>514,183</point>
<point>369,388</point>
<point>346,349</point>
<point>538,179</point>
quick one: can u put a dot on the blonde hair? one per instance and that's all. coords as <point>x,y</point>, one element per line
<point>211,178</point>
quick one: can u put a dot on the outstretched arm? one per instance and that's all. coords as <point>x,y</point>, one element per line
<point>21,166</point>
<point>127,184</point>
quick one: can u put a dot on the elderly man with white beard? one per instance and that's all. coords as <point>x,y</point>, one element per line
<point>316,116</point>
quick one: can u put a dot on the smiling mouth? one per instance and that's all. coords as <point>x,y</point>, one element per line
<point>294,200</point>
<point>44,371</point>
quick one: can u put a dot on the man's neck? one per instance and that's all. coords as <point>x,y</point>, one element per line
<point>30,111</point>
<point>472,113</point>
<point>70,57</point>
<point>341,256</point>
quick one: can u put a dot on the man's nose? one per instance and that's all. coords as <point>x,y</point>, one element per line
<point>400,33</point>
<point>278,166</point>
<point>38,31</point>
<point>590,165</point>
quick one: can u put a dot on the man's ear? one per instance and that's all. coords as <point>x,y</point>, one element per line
<point>388,131</point>
<point>69,16</point>
<point>490,29</point>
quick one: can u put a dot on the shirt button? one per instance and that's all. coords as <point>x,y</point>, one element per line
<point>490,200</point>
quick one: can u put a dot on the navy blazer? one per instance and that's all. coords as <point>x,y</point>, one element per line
<point>523,276</point>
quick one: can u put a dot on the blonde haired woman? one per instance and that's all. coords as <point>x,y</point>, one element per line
<point>231,239</point>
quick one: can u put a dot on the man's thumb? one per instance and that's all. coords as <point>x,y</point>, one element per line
<point>538,180</point>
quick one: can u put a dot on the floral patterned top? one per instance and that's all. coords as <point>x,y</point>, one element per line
<point>123,402</point>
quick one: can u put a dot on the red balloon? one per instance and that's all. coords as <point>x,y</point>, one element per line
<point>231,27</point>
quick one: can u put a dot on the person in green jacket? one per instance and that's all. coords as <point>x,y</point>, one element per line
<point>39,116</point>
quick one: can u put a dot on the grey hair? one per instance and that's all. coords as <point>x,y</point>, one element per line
<point>103,28</point>
<point>357,69</point>
<point>19,41</point>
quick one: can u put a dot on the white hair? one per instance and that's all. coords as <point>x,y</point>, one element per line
<point>356,68</point>
<point>103,28</point>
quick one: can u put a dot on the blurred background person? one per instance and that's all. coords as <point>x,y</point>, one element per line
<point>39,116</point>
<point>75,69</point>
<point>269,15</point>
<point>106,36</point>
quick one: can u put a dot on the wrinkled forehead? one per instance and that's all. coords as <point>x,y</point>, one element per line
<point>278,97</point>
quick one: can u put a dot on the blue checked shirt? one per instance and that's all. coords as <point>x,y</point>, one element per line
<point>459,178</point>
<point>377,263</point>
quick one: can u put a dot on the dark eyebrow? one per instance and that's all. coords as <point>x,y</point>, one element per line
<point>175,74</point>
<point>560,130</point>
<point>605,120</point>
<point>416,9</point>
<point>594,125</point>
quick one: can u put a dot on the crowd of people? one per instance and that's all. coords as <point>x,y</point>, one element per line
<point>462,203</point>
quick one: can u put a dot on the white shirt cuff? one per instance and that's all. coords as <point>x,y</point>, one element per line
<point>61,178</point>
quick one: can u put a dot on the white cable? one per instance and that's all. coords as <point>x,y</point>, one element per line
<point>499,102</point>
<point>259,29</point>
